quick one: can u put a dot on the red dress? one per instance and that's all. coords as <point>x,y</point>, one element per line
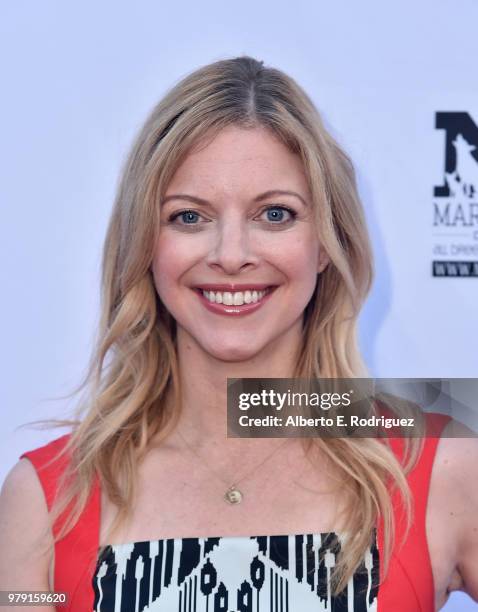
<point>408,586</point>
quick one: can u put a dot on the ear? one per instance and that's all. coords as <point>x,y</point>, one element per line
<point>322,261</point>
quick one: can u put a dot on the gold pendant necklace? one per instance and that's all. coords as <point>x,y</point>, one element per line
<point>233,495</point>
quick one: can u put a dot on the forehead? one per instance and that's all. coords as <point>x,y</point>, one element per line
<point>236,158</point>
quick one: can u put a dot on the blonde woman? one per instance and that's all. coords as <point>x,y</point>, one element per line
<point>236,248</point>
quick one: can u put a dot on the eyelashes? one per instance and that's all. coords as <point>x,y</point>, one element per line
<point>183,213</point>
<point>190,217</point>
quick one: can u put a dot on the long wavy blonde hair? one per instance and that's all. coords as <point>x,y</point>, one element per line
<point>132,390</point>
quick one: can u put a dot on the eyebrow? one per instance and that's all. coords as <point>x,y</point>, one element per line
<point>263,196</point>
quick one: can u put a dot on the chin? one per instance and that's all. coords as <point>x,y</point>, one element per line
<point>232,353</point>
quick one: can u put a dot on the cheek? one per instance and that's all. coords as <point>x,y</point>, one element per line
<point>172,258</point>
<point>300,267</point>
<point>299,260</point>
<point>175,255</point>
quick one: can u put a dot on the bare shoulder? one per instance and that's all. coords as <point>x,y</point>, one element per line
<point>454,494</point>
<point>25,541</point>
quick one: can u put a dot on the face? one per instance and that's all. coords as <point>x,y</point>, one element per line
<point>237,255</point>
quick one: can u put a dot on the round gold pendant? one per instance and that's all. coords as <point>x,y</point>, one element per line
<point>233,495</point>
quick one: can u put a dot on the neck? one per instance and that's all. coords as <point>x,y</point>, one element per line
<point>203,381</point>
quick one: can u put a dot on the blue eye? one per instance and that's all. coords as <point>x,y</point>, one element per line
<point>276,214</point>
<point>188,217</point>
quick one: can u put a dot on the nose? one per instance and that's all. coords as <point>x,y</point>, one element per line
<point>232,248</point>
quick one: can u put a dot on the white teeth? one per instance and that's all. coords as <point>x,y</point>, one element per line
<point>238,298</point>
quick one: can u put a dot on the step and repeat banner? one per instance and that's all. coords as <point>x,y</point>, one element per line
<point>455,202</point>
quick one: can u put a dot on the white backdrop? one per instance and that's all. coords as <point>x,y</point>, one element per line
<point>77,82</point>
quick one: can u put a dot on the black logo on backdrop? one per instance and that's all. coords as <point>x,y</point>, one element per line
<point>455,204</point>
<point>461,155</point>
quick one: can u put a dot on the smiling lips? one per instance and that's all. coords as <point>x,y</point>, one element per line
<point>234,299</point>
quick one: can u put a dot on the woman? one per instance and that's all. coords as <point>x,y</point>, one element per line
<point>237,248</point>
